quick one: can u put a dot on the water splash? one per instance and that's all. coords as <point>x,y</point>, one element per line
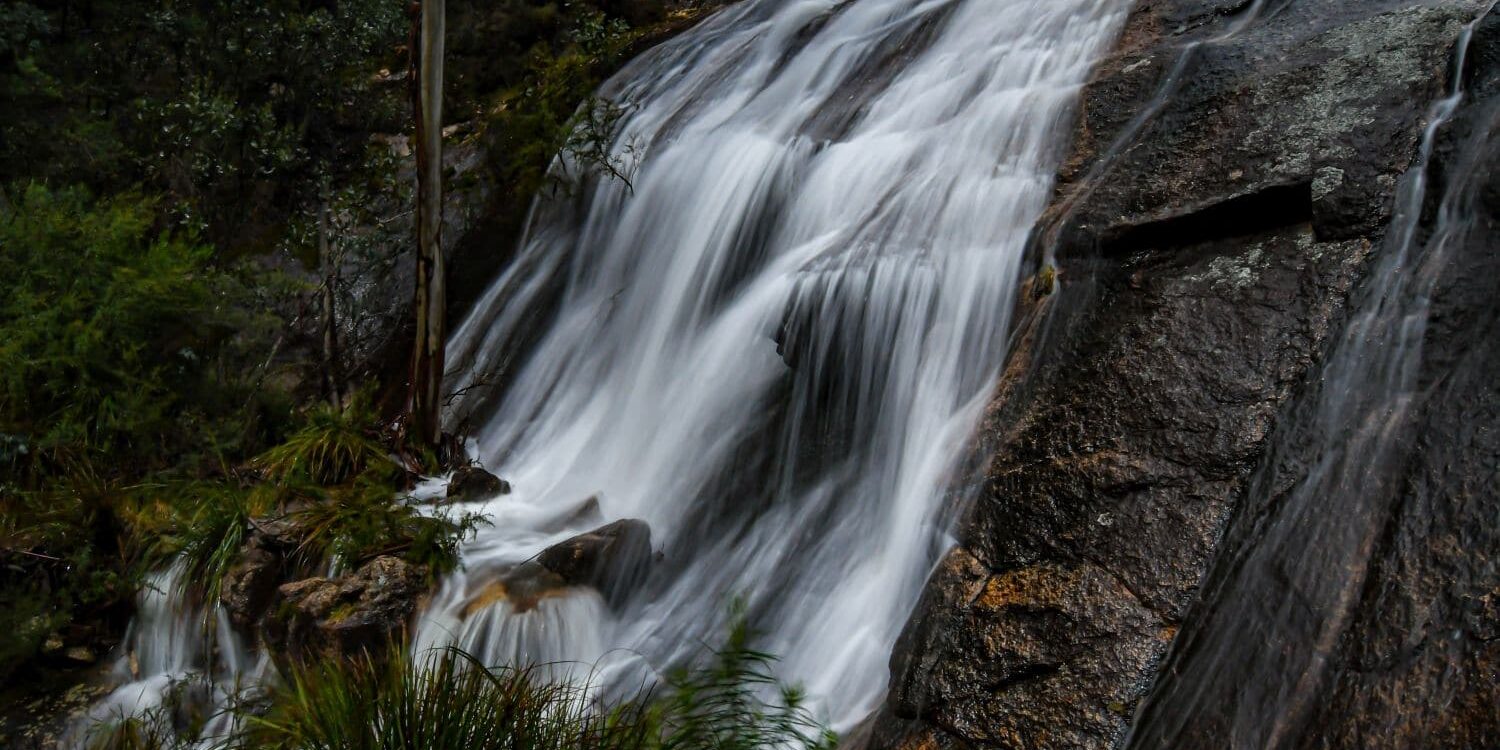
<point>774,344</point>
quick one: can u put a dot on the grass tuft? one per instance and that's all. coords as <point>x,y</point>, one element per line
<point>447,700</point>
<point>364,520</point>
<point>333,447</point>
<point>727,704</point>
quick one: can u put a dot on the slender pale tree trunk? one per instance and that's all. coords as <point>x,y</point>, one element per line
<point>431,297</point>
<point>332,361</point>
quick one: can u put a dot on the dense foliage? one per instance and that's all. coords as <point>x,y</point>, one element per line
<point>122,354</point>
<point>121,345</point>
<point>228,109</point>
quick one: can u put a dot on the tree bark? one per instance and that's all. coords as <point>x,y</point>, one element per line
<point>332,367</point>
<point>431,296</point>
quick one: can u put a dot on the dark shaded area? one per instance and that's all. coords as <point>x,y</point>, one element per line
<point>1273,207</point>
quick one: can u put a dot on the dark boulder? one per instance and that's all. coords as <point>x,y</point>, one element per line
<point>613,558</point>
<point>471,483</point>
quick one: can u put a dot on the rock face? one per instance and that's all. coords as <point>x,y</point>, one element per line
<point>1416,659</point>
<point>249,586</point>
<point>1234,168</point>
<point>361,613</point>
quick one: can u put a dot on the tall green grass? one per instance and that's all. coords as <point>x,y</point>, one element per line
<point>723,705</point>
<point>333,446</point>
<point>448,701</point>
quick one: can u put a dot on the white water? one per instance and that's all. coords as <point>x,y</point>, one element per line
<point>168,664</point>
<point>864,171</point>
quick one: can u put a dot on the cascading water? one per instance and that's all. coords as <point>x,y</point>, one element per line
<point>1248,669</point>
<point>774,341</point>
<point>168,667</point>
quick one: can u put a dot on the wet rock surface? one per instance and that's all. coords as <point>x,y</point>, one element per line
<point>1416,666</point>
<point>1222,198</point>
<point>250,584</point>
<point>613,558</point>
<point>360,613</point>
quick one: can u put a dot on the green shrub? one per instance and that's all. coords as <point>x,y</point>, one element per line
<point>122,353</point>
<point>217,522</point>
<point>341,486</point>
<point>366,518</point>
<point>135,733</point>
<point>226,108</point>
<point>449,700</point>
<point>59,557</point>
<point>723,705</point>
<point>554,109</point>
<point>110,334</point>
<point>152,729</point>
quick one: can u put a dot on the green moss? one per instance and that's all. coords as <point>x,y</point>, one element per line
<point>341,613</point>
<point>1045,281</point>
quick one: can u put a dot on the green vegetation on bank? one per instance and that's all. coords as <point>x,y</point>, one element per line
<point>228,110</point>
<point>124,354</point>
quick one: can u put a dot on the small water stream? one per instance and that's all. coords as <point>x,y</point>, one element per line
<point>178,666</point>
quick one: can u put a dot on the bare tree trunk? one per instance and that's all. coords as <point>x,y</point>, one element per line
<point>332,370</point>
<point>431,297</point>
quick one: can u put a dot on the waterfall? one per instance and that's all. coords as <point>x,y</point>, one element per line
<point>1248,670</point>
<point>773,342</point>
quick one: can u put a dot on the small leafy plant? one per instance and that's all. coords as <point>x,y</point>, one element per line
<point>366,519</point>
<point>728,704</point>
